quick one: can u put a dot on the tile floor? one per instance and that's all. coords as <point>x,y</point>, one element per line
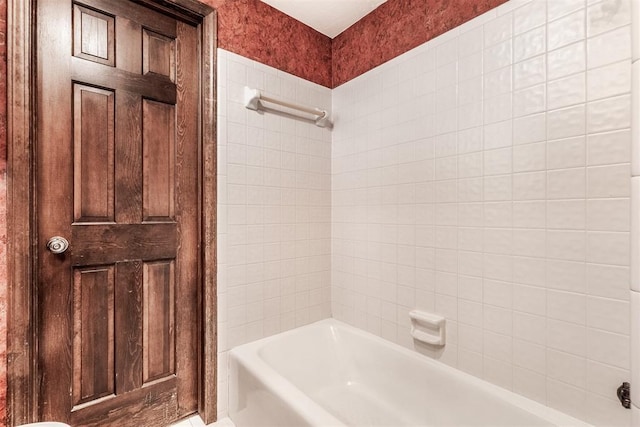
<point>196,421</point>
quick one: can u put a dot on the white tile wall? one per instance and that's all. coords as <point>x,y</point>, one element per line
<point>635,27</point>
<point>635,208</point>
<point>274,230</point>
<point>485,176</point>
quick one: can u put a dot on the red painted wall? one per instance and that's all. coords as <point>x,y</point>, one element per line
<point>3,210</point>
<point>258,31</point>
<point>395,27</point>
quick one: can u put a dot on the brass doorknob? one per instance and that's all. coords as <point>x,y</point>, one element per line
<point>58,244</point>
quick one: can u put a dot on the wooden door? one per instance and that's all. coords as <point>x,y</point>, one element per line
<point>117,174</point>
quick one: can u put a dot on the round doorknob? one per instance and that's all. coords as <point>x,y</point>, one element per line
<point>57,244</point>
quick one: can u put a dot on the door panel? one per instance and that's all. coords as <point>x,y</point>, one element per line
<point>158,153</point>
<point>93,35</point>
<point>159,320</point>
<point>93,127</point>
<point>118,175</point>
<point>93,334</point>
<point>159,54</point>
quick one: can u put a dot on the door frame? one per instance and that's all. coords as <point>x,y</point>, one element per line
<point>22,332</point>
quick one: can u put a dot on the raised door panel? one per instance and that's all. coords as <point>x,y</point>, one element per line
<point>159,320</point>
<point>158,164</point>
<point>93,341</point>
<point>93,135</point>
<point>93,35</point>
<point>159,54</point>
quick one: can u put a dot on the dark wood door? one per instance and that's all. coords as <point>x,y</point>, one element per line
<point>117,175</point>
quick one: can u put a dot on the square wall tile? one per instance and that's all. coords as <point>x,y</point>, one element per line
<point>635,119</point>
<point>634,256</point>
<point>567,60</point>
<point>503,203</point>
<point>635,26</point>
<point>566,30</point>
<point>607,15</point>
<point>609,47</point>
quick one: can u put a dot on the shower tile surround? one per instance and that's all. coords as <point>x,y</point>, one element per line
<point>484,176</point>
<point>274,210</point>
<point>635,213</point>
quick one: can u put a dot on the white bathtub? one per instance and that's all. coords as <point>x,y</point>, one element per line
<point>330,374</point>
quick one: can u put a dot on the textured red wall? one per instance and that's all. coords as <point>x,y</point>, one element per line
<point>257,31</point>
<point>3,210</point>
<point>395,27</point>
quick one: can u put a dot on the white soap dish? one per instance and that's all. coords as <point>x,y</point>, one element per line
<point>428,328</point>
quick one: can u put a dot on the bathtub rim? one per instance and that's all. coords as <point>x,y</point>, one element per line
<point>302,404</point>
<point>249,356</point>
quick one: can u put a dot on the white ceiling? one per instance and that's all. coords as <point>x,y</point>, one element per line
<point>330,17</point>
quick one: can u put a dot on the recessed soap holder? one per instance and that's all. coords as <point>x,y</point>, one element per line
<point>428,328</point>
